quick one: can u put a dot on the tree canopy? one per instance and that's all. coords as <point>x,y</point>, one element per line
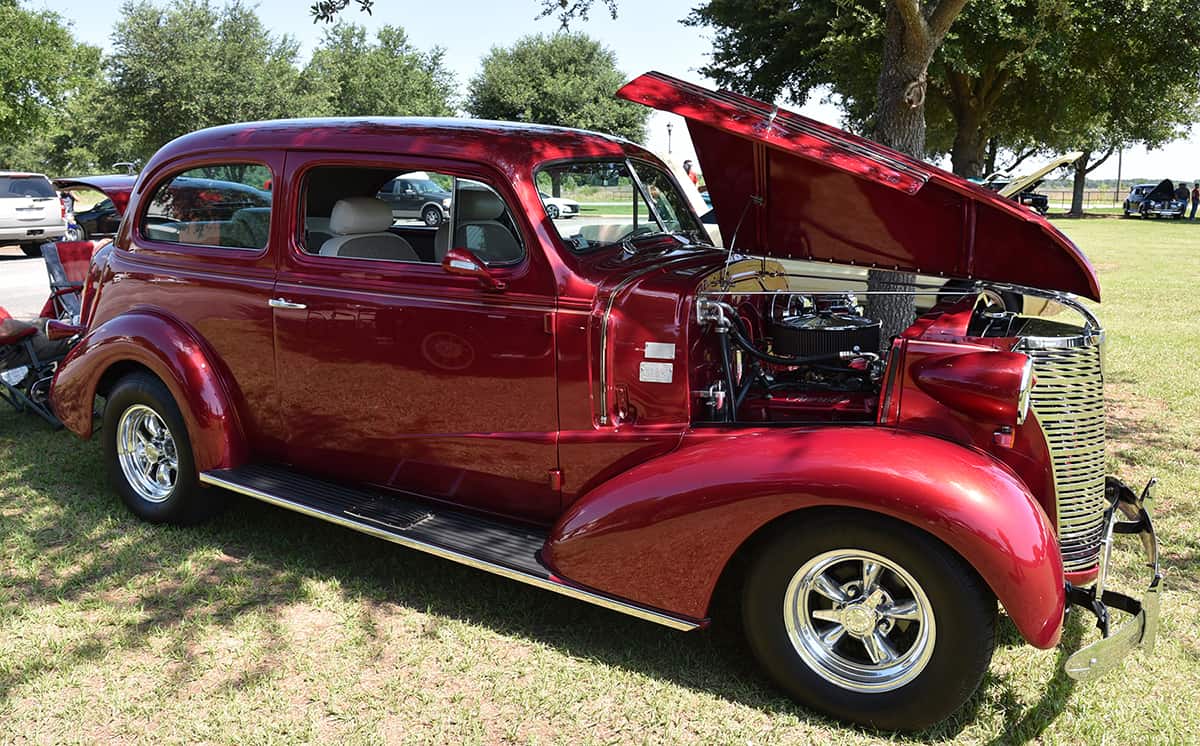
<point>566,78</point>
<point>1002,76</point>
<point>189,65</point>
<point>41,67</point>
<point>351,76</point>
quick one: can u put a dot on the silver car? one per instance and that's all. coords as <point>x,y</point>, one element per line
<point>30,211</point>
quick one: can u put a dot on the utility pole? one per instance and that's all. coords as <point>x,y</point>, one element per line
<point>1117,194</point>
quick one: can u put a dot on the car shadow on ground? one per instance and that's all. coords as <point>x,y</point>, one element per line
<point>89,550</point>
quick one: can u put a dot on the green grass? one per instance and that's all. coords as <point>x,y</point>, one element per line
<point>267,626</point>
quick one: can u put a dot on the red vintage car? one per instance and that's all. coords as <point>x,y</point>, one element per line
<point>612,409</point>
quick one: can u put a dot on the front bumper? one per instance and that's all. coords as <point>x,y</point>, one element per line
<point>1127,514</point>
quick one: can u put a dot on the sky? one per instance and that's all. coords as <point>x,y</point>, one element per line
<point>645,36</point>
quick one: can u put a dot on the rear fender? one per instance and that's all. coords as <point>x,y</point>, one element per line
<point>661,533</point>
<point>168,350</point>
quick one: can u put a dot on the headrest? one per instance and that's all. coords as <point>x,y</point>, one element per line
<point>355,215</point>
<point>478,204</point>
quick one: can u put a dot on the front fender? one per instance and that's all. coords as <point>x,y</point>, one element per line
<point>178,358</point>
<point>661,534</point>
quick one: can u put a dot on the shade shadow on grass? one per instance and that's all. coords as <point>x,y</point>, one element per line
<point>254,557</point>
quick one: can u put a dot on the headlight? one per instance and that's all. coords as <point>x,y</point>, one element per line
<point>993,387</point>
<point>446,202</point>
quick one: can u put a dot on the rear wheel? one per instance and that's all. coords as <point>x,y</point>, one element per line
<point>32,249</point>
<point>868,620</point>
<point>149,454</point>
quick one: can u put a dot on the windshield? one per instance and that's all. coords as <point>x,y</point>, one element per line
<point>619,201</point>
<point>424,185</point>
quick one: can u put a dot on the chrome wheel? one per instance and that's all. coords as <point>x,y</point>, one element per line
<point>147,454</point>
<point>859,620</point>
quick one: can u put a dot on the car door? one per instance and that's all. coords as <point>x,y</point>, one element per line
<point>196,227</point>
<point>408,199</point>
<point>398,374</point>
<point>387,193</point>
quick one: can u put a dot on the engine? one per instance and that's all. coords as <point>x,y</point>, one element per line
<point>795,357</point>
<point>815,325</point>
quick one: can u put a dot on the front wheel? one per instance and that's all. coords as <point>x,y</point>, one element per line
<point>552,212</point>
<point>432,216</point>
<point>868,620</point>
<point>149,454</point>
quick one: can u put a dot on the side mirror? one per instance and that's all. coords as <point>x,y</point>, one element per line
<point>465,264</point>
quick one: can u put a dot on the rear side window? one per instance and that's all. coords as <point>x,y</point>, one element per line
<point>400,215</point>
<point>226,205</point>
<point>12,187</point>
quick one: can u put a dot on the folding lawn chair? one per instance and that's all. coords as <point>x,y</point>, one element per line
<point>67,264</point>
<point>25,378</point>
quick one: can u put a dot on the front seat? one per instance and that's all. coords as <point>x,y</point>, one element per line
<point>360,229</point>
<point>479,230</point>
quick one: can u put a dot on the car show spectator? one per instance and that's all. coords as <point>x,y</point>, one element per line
<point>1195,199</point>
<point>1181,194</point>
<point>693,173</point>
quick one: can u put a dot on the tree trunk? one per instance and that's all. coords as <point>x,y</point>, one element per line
<point>1081,172</point>
<point>900,116</point>
<point>969,154</point>
<point>993,151</point>
<point>899,124</point>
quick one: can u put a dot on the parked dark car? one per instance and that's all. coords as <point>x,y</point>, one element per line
<point>618,411</point>
<point>1163,201</point>
<point>415,195</point>
<point>1133,201</point>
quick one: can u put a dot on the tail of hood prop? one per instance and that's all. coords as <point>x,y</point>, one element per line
<point>828,195</point>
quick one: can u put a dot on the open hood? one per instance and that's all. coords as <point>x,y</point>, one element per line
<point>825,194</point>
<point>1164,192</point>
<point>1021,183</point>
<point>116,187</point>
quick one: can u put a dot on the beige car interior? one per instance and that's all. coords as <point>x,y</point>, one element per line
<point>359,228</point>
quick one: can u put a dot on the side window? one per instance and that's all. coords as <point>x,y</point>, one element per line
<point>399,215</point>
<point>227,205</point>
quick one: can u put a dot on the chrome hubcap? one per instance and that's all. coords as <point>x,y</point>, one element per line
<point>859,620</point>
<point>146,452</point>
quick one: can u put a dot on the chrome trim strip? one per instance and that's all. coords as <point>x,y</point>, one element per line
<point>581,594</point>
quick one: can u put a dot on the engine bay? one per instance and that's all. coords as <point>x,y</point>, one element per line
<point>791,357</point>
<point>776,346</point>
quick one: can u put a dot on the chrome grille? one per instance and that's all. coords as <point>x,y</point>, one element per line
<point>1068,399</point>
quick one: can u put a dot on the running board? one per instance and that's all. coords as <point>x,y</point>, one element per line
<point>505,549</point>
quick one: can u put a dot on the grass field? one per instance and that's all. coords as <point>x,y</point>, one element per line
<point>264,626</point>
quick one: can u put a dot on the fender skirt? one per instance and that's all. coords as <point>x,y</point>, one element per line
<point>661,533</point>
<point>167,349</point>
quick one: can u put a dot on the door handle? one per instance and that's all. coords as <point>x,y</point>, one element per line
<point>283,303</point>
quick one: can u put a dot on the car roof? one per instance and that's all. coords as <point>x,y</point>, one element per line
<point>478,139</point>
<point>22,174</point>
